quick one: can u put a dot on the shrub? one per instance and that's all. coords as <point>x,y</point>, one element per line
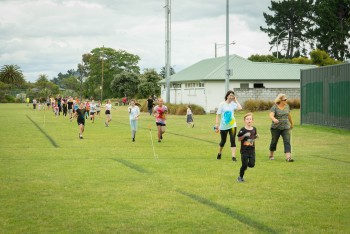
<point>261,105</point>
<point>174,109</point>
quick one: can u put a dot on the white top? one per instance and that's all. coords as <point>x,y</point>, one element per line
<point>134,112</point>
<point>189,112</point>
<point>108,106</point>
<point>226,110</point>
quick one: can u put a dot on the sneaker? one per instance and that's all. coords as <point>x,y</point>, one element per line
<point>193,126</point>
<point>290,160</point>
<point>219,156</point>
<point>234,159</point>
<point>161,136</point>
<point>159,141</point>
<point>240,179</point>
<point>271,158</point>
<point>80,136</point>
<point>133,139</point>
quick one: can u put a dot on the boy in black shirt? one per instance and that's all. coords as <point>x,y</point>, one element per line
<point>247,136</point>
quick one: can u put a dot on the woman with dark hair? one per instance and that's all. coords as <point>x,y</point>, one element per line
<point>228,124</point>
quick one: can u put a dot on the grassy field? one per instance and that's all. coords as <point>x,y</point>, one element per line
<point>53,182</point>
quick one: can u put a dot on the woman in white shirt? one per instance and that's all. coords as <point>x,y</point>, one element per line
<point>134,113</point>
<point>228,124</point>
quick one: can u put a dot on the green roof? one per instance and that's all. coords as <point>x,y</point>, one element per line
<point>243,69</point>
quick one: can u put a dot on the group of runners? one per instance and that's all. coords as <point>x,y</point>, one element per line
<point>225,123</point>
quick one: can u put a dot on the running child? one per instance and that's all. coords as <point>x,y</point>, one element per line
<point>189,116</point>
<point>247,136</point>
<point>80,114</point>
<point>159,112</point>
<point>134,113</point>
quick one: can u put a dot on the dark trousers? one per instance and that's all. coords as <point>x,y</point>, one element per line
<point>248,160</point>
<point>232,132</point>
<point>275,135</point>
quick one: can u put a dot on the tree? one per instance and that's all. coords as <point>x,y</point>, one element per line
<point>149,85</point>
<point>12,75</point>
<point>110,63</point>
<point>162,72</point>
<point>125,84</point>
<point>70,83</point>
<point>321,58</point>
<point>46,87</point>
<point>290,19</point>
<point>332,33</point>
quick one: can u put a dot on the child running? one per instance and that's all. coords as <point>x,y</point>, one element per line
<point>189,117</point>
<point>134,113</point>
<point>160,112</point>
<point>80,114</point>
<point>247,136</point>
<point>92,111</point>
<point>108,107</point>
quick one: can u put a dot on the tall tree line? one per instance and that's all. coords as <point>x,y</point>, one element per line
<point>300,26</point>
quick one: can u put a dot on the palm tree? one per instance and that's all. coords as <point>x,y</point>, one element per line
<point>12,74</point>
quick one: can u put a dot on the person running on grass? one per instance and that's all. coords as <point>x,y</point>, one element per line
<point>159,112</point>
<point>108,107</point>
<point>247,136</point>
<point>225,112</point>
<point>70,108</point>
<point>189,117</point>
<point>134,113</point>
<point>80,114</point>
<point>92,110</point>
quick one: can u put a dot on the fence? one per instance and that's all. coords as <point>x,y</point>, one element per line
<point>325,96</point>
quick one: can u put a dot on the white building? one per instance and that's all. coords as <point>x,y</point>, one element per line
<point>203,83</point>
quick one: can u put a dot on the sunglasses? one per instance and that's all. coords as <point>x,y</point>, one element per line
<point>284,100</point>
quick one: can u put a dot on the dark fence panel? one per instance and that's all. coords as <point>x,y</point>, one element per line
<point>325,96</point>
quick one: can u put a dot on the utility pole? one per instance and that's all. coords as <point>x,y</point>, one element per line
<point>228,71</point>
<point>103,58</point>
<point>167,48</point>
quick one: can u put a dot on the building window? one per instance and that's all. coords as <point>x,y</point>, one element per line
<point>194,85</point>
<point>259,85</point>
<point>244,85</point>
<point>176,86</point>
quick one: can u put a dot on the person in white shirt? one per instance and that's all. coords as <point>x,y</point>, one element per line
<point>134,113</point>
<point>92,110</point>
<point>228,124</point>
<point>189,117</point>
<point>108,107</point>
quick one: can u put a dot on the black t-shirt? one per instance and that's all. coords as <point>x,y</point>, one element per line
<point>150,102</point>
<point>248,143</point>
<point>81,115</point>
<point>70,105</point>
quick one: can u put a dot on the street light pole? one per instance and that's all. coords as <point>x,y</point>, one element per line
<point>216,47</point>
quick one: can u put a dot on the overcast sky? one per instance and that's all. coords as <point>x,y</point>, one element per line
<point>50,36</point>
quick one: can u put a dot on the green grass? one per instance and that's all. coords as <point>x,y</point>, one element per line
<point>52,182</point>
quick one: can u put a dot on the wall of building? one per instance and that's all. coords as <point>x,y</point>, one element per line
<point>210,96</point>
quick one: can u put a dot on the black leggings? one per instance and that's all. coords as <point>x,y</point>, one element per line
<point>248,160</point>
<point>232,132</point>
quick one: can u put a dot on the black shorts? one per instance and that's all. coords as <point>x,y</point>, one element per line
<point>160,124</point>
<point>108,112</point>
<point>81,121</point>
<point>92,113</point>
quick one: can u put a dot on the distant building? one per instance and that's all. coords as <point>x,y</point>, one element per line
<point>203,83</point>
